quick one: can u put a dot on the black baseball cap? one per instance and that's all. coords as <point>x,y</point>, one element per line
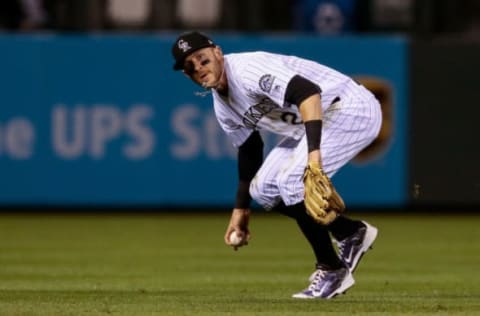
<point>186,44</point>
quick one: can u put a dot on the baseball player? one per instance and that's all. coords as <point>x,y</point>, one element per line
<point>326,118</point>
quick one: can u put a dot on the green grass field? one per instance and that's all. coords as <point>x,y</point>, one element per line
<point>178,265</point>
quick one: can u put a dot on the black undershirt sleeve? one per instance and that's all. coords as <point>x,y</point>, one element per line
<point>299,88</point>
<point>250,158</point>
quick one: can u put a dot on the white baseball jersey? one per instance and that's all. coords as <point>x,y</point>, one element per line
<point>257,83</point>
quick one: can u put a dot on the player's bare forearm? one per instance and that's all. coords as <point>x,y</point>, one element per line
<point>315,156</point>
<point>311,109</point>
<point>240,219</point>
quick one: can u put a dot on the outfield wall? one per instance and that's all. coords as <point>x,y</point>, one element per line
<point>445,134</point>
<point>103,120</point>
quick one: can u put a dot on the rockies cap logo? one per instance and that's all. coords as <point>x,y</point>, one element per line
<point>183,45</point>
<point>186,44</point>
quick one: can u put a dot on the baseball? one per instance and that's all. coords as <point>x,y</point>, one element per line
<point>235,239</point>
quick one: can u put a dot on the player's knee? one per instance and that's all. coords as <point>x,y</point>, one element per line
<point>261,190</point>
<point>291,188</point>
<point>264,193</point>
<point>254,190</point>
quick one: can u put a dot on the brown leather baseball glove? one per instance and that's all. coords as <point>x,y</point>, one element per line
<point>322,201</point>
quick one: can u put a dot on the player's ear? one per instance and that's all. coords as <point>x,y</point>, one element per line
<point>217,50</point>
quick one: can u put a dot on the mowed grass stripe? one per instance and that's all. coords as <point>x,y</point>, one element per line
<point>169,264</point>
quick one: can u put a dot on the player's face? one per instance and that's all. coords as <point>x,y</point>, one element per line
<point>205,66</point>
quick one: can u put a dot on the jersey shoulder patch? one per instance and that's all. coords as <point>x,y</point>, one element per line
<point>266,82</point>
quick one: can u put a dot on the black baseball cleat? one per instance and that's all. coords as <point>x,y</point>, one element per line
<point>352,248</point>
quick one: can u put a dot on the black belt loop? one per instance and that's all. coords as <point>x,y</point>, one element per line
<point>337,98</point>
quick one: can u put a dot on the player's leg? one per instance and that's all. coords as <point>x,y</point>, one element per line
<point>266,191</point>
<point>264,185</point>
<point>331,277</point>
<point>316,234</point>
<point>349,128</point>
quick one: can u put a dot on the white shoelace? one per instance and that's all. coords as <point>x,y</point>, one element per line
<point>318,276</point>
<point>341,246</point>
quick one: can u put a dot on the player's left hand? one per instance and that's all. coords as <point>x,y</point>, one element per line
<point>239,223</point>
<point>322,201</point>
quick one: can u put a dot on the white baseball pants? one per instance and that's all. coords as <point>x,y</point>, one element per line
<point>349,125</point>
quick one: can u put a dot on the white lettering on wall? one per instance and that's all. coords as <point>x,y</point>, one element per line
<point>183,122</point>
<point>142,136</point>
<point>106,126</point>
<point>83,130</point>
<point>69,137</point>
<point>198,133</point>
<point>17,138</point>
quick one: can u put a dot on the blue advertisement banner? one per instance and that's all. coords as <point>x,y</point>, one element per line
<point>103,120</point>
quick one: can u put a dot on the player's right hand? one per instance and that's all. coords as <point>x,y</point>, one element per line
<point>239,223</point>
